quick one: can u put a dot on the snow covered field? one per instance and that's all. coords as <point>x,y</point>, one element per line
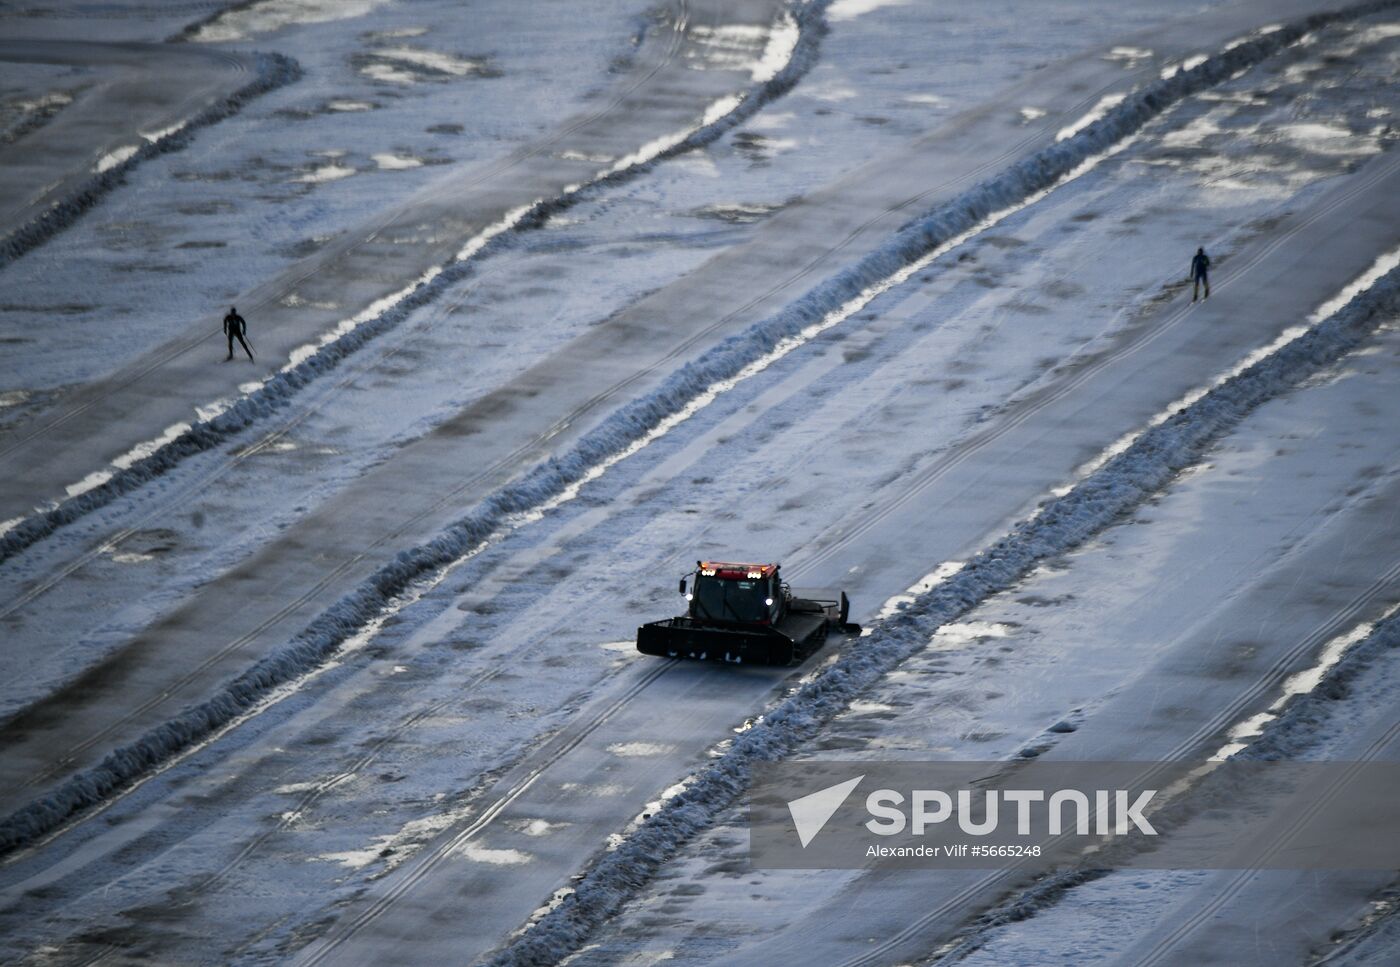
<point>327,658</point>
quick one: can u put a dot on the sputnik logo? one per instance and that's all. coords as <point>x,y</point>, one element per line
<point>811,812</point>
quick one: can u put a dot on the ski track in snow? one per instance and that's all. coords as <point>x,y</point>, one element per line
<point>621,433</point>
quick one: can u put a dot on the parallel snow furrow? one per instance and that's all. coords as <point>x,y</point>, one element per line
<point>1099,500</point>
<point>314,360</point>
<point>635,420</point>
<point>273,71</point>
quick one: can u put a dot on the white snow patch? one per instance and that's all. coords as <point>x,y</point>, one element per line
<point>163,133</point>
<point>474,245</point>
<point>537,827</point>
<point>572,155</point>
<point>1106,103</point>
<point>132,557</point>
<point>50,100</point>
<point>1190,63</point>
<point>932,100</point>
<point>602,790</point>
<point>296,788</point>
<point>433,60</point>
<point>354,859</point>
<point>143,450</point>
<point>91,482</point>
<point>291,300</point>
<point>637,750</point>
<point>331,172</point>
<point>349,106</point>
<point>113,158</point>
<point>1192,134</point>
<point>242,22</point>
<point>556,898</point>
<point>398,33</point>
<point>210,410</point>
<point>843,10</point>
<point>1029,114</point>
<point>1326,138</point>
<point>782,41</point>
<point>1379,32</point>
<point>1129,57</point>
<point>963,632</point>
<point>380,71</point>
<point>926,583</point>
<point>831,91</point>
<point>395,162</point>
<point>1383,264</point>
<point>305,351</point>
<point>494,857</point>
<point>736,46</point>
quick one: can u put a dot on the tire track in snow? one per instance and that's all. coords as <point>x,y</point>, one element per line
<point>634,424</point>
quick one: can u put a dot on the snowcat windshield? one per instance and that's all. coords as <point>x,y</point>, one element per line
<point>721,599</point>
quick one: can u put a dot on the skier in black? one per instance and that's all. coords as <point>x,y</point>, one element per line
<point>1200,266</point>
<point>235,326</point>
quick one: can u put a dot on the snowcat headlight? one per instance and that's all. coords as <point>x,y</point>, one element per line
<point>689,596</point>
<point>768,601</point>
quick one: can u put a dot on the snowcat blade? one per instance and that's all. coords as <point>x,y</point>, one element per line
<point>678,638</point>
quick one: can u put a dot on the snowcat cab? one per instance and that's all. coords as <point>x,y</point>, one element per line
<point>745,613</point>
